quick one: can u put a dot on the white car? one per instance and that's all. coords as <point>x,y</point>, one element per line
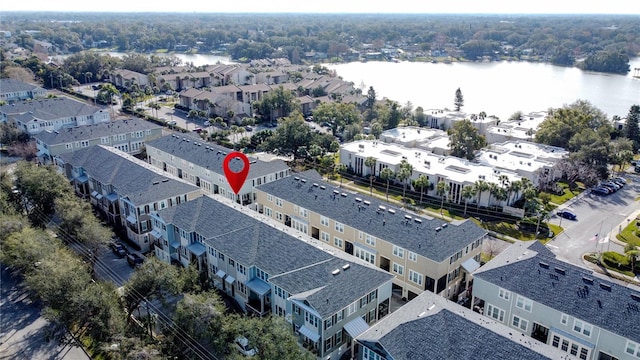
<point>242,344</point>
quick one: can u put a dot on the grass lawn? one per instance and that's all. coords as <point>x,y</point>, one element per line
<point>567,193</point>
<point>628,234</point>
<point>510,230</point>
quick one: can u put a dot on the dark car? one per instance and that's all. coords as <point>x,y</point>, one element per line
<point>134,259</point>
<point>600,191</point>
<point>566,214</point>
<point>118,249</point>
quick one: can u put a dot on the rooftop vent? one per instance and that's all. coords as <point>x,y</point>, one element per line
<point>343,194</point>
<point>408,217</point>
<point>303,180</point>
<point>367,202</point>
<point>560,270</point>
<point>358,200</point>
<point>322,187</point>
<point>165,180</point>
<point>345,266</point>
<point>391,211</point>
<point>315,184</point>
<point>381,207</point>
<point>606,287</point>
<point>438,229</point>
<point>635,297</point>
<point>444,225</point>
<point>296,178</point>
<point>543,265</point>
<point>336,192</point>
<point>417,220</point>
<point>587,280</point>
<point>156,182</point>
<point>336,272</point>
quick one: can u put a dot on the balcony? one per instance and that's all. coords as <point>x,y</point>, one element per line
<point>253,308</point>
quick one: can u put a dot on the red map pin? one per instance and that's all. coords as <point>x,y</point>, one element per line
<point>236,179</point>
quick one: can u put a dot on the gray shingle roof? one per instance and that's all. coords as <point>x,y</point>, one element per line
<point>430,327</point>
<point>50,109</point>
<point>292,264</point>
<point>242,237</point>
<point>131,177</point>
<point>211,159</point>
<point>573,290</point>
<point>13,85</point>
<point>95,131</point>
<point>334,292</point>
<point>430,238</point>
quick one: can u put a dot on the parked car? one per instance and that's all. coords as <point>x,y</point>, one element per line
<point>172,122</point>
<point>600,191</point>
<point>118,249</point>
<point>242,344</point>
<point>567,214</point>
<point>135,260</point>
<point>248,128</point>
<point>621,179</point>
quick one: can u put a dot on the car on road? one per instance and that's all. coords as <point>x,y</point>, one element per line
<point>567,214</point>
<point>118,248</point>
<point>242,344</point>
<point>172,122</point>
<point>135,260</point>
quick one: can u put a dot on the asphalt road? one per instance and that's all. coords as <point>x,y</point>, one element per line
<point>599,215</point>
<point>23,332</point>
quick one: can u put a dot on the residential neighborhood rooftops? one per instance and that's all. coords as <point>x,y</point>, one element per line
<point>573,290</point>
<point>410,134</point>
<point>428,237</point>
<point>50,109</point>
<point>13,85</point>
<point>211,156</point>
<point>332,285</point>
<point>94,131</point>
<point>449,167</point>
<point>133,179</point>
<point>242,237</point>
<point>431,327</point>
<point>525,155</point>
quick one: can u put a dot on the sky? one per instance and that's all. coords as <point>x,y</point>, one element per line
<point>631,7</point>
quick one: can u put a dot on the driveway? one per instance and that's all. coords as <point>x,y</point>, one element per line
<point>597,217</point>
<point>22,329</point>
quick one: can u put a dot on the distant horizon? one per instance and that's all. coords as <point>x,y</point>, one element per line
<point>313,13</point>
<point>333,7</point>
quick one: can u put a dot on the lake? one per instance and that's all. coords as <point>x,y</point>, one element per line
<point>497,88</point>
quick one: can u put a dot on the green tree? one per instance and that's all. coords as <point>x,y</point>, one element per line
<point>339,115</point>
<point>480,186</point>
<point>632,252</point>
<point>370,162</point>
<point>632,129</point>
<point>341,169</point>
<point>458,101</point>
<point>404,174</point>
<point>465,140</point>
<point>271,337</point>
<point>376,130</point>
<point>387,175</point>
<point>468,192</point>
<point>276,104</point>
<point>292,134</point>
<point>202,317</point>
<point>40,186</point>
<point>442,189</point>
<point>153,280</point>
<point>421,182</point>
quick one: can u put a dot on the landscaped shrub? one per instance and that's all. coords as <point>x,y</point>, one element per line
<point>616,260</point>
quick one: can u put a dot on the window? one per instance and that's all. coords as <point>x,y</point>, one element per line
<point>231,262</point>
<point>398,251</point>
<point>398,269</point>
<point>415,277</point>
<point>412,256</point>
<point>352,308</point>
<point>269,198</point>
<point>303,212</point>
<point>339,227</point>
<point>495,313</point>
<point>584,353</point>
<point>582,327</point>
<point>520,323</point>
<point>524,303</point>
<point>268,211</point>
<point>328,344</point>
<point>504,294</point>
<point>337,242</point>
<point>68,146</point>
<point>365,255</point>
<point>241,269</point>
<point>565,345</point>
<point>633,349</point>
<point>369,354</point>
<point>221,256</point>
<point>325,236</point>
<point>338,338</point>
<point>556,341</point>
<point>278,202</point>
<point>324,221</point>
<point>278,216</point>
<point>574,349</point>
<point>370,240</point>
<point>564,319</point>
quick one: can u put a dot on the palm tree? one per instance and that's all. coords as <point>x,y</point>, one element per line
<point>632,252</point>
<point>340,169</point>
<point>370,162</point>
<point>493,188</point>
<point>500,195</point>
<point>468,192</point>
<point>404,174</point>
<point>481,186</point>
<point>387,174</point>
<point>442,189</point>
<point>514,188</point>
<point>421,182</point>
